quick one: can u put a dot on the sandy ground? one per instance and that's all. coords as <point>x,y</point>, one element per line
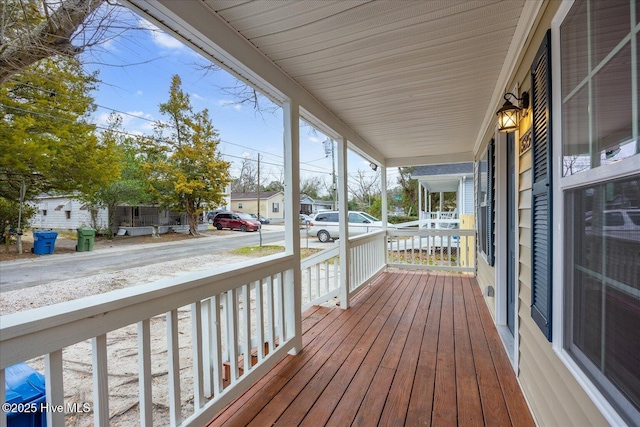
<point>121,344</point>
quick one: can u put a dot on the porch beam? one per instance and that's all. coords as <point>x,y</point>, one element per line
<point>464,157</point>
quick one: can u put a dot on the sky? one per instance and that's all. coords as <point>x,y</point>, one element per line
<point>135,70</point>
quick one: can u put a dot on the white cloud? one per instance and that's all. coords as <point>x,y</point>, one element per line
<point>198,97</point>
<point>229,103</point>
<point>161,38</point>
<point>313,139</point>
<point>139,93</point>
<point>246,155</point>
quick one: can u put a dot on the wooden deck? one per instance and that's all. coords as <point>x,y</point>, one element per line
<point>414,349</point>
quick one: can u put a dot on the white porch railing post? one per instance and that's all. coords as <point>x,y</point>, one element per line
<point>293,278</point>
<point>3,398</point>
<point>144,369</point>
<point>343,216</point>
<point>173,355</point>
<point>54,386</point>
<point>100,381</point>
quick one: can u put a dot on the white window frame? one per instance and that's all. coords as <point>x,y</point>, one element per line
<point>620,169</point>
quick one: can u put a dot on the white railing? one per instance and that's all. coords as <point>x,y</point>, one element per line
<point>241,322</point>
<point>320,277</point>
<point>432,249</point>
<point>366,259</point>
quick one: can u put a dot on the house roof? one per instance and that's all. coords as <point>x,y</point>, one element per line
<point>254,195</point>
<point>388,76</point>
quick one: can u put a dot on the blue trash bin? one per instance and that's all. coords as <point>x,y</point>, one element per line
<point>25,391</point>
<point>44,241</point>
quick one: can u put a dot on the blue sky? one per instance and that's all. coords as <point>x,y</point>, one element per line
<point>136,70</point>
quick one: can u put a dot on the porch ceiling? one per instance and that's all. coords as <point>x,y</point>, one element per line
<point>414,82</point>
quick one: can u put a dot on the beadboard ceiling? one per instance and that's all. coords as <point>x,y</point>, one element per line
<point>412,79</point>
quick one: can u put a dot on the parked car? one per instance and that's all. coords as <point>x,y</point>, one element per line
<point>212,215</point>
<point>325,225</point>
<point>235,221</point>
<point>305,219</point>
<point>262,219</point>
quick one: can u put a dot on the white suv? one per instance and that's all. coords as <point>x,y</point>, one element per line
<point>325,225</point>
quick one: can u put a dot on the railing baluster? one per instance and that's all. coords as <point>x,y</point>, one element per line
<point>196,348</point>
<point>217,346</point>
<point>3,399</point>
<point>270,314</point>
<point>100,381</point>
<point>259,319</point>
<point>246,316</point>
<point>207,347</point>
<point>54,386</point>
<point>173,355</point>
<point>279,286</point>
<point>144,373</point>
<point>232,333</point>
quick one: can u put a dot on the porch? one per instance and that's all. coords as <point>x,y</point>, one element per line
<point>415,348</point>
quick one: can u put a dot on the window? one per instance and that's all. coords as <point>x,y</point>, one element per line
<point>600,185</point>
<point>275,207</point>
<point>67,214</point>
<point>240,205</point>
<point>486,213</point>
<point>44,212</point>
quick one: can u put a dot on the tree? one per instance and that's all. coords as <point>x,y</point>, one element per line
<point>409,190</point>
<point>32,30</point>
<point>130,188</point>
<point>312,186</point>
<point>182,164</point>
<point>364,188</point>
<point>46,139</point>
<point>248,180</point>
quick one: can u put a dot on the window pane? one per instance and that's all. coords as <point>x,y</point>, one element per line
<point>612,107</point>
<point>603,243</point>
<point>575,130</point>
<point>610,23</point>
<point>573,42</point>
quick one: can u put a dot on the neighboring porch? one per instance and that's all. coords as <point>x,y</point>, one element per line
<point>415,348</point>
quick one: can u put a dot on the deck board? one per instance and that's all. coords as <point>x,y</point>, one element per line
<point>415,348</point>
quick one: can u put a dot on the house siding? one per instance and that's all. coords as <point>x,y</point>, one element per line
<point>56,217</point>
<point>554,395</point>
<point>251,206</point>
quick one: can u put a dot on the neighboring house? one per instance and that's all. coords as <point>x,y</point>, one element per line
<point>445,178</point>
<point>65,213</point>
<point>271,203</point>
<point>309,206</point>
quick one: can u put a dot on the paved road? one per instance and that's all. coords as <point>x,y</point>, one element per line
<point>36,271</point>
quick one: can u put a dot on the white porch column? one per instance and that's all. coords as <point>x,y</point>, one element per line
<point>293,279</point>
<point>419,202</point>
<point>385,213</point>
<point>343,216</point>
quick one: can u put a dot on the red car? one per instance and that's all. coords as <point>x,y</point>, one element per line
<point>235,221</point>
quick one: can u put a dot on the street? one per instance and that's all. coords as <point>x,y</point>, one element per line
<point>22,274</point>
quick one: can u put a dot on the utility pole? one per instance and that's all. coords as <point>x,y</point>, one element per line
<point>328,145</point>
<point>259,229</point>
<point>19,230</point>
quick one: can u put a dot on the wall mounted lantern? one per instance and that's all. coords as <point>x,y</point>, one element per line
<point>508,115</point>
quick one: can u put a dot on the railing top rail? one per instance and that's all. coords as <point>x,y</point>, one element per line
<point>364,238</point>
<point>314,259</point>
<point>92,316</point>
<point>431,232</point>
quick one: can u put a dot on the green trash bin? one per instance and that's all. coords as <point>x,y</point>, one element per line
<point>86,237</point>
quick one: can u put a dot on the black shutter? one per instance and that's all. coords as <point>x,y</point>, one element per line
<point>490,201</point>
<point>541,188</point>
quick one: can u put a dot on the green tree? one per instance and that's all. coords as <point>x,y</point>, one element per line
<point>182,164</point>
<point>32,30</point>
<point>409,190</point>
<point>46,139</point>
<point>131,187</point>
